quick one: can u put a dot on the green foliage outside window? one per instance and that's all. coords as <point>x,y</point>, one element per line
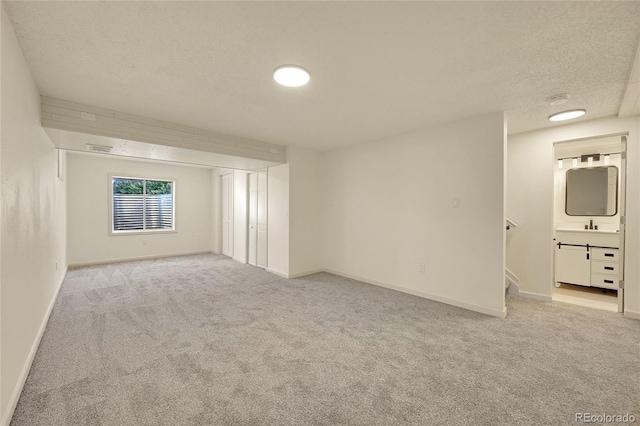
<point>158,187</point>
<point>127,186</point>
<point>136,186</point>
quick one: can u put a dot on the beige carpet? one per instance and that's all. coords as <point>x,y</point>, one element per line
<point>203,340</point>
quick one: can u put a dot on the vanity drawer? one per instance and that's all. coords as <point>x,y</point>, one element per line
<point>604,281</point>
<point>608,254</point>
<point>601,267</point>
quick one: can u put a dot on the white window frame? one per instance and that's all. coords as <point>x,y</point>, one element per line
<point>113,233</point>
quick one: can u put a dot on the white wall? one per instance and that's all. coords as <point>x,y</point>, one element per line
<point>240,215</point>
<point>32,229</point>
<point>306,197</point>
<point>278,219</point>
<point>530,203</point>
<point>388,208</point>
<point>88,210</point>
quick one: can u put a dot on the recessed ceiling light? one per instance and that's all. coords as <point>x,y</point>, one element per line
<point>291,75</point>
<point>567,115</point>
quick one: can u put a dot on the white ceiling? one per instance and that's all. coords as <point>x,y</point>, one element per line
<point>377,68</point>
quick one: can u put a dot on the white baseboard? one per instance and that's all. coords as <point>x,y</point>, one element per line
<point>481,309</point>
<point>278,273</point>
<point>628,313</point>
<point>296,275</point>
<point>133,259</point>
<point>513,289</point>
<point>17,391</point>
<point>535,296</point>
<point>303,274</point>
<point>239,259</point>
<point>508,273</point>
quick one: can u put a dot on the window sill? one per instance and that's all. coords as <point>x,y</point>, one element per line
<point>142,232</point>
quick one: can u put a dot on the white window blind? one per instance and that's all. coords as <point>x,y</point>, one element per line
<point>142,204</point>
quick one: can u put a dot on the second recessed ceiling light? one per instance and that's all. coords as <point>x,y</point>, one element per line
<point>291,75</point>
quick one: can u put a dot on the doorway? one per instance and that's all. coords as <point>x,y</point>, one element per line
<point>589,222</point>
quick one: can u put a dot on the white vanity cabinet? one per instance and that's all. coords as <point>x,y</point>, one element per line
<point>588,258</point>
<point>573,265</point>
<point>605,267</point>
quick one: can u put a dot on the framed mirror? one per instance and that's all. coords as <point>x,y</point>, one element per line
<point>592,191</point>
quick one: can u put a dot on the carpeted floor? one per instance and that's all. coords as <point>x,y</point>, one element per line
<point>204,340</point>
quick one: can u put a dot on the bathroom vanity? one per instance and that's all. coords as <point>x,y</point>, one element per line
<point>589,221</point>
<point>588,258</point>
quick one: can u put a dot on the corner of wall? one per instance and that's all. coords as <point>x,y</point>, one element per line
<point>278,240</point>
<point>306,220</point>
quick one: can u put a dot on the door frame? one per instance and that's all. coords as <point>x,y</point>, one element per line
<point>622,208</point>
<point>623,218</point>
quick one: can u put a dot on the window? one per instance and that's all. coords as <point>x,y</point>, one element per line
<point>142,205</point>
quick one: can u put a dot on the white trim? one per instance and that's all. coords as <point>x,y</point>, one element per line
<point>133,259</point>
<point>535,296</point>
<point>481,309</point>
<point>280,274</point>
<point>142,232</point>
<point>239,259</point>
<point>513,278</point>
<point>303,274</point>
<point>174,184</point>
<point>17,391</point>
<point>632,314</point>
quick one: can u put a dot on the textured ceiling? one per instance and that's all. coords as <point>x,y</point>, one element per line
<point>378,68</point>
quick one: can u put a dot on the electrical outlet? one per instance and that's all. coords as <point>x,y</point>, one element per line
<point>456,203</point>
<point>421,268</point>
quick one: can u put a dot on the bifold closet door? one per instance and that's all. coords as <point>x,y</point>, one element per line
<point>261,248</point>
<point>258,219</point>
<point>253,219</point>
<point>227,215</point>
